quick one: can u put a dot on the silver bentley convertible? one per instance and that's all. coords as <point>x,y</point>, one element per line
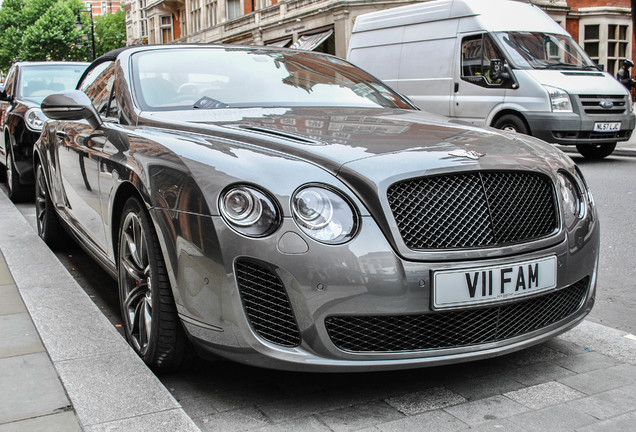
<point>285,209</point>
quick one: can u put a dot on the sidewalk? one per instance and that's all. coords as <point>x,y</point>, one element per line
<point>79,373</point>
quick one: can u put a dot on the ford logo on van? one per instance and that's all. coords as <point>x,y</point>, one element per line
<point>606,103</point>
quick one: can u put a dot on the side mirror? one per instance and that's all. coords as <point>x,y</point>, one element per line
<point>3,94</point>
<point>71,105</point>
<point>498,70</point>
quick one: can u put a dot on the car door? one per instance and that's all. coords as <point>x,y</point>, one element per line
<point>475,94</point>
<point>5,109</point>
<point>79,155</point>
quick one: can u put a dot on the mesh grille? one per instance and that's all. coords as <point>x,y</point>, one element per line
<point>266,303</point>
<point>450,329</point>
<point>473,210</point>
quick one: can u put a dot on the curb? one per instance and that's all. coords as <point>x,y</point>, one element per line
<point>108,385</point>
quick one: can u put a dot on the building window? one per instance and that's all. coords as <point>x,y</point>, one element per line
<point>607,41</point>
<point>210,13</point>
<point>143,26</point>
<point>195,16</point>
<point>233,9</point>
<point>104,9</point>
<point>166,29</point>
<point>263,3</point>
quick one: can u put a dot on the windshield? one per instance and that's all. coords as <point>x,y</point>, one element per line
<point>529,50</point>
<point>217,78</point>
<point>37,82</point>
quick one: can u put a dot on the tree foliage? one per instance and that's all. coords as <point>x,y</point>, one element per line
<point>40,30</point>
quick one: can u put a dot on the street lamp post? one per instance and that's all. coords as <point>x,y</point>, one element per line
<point>79,25</point>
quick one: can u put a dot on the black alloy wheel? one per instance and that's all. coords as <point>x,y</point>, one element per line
<point>511,123</point>
<point>151,323</point>
<point>49,228</point>
<point>596,151</point>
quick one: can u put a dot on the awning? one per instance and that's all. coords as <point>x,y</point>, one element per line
<point>280,43</point>
<point>310,42</point>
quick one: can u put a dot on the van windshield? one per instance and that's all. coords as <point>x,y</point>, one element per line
<point>532,50</point>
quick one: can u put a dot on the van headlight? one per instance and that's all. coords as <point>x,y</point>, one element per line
<point>559,99</point>
<point>34,119</point>
<point>324,215</point>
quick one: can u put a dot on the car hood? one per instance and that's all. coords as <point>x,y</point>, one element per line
<point>579,82</point>
<point>379,143</point>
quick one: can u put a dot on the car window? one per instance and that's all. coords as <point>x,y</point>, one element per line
<point>477,52</point>
<point>10,82</point>
<point>215,78</point>
<point>98,85</point>
<point>39,81</point>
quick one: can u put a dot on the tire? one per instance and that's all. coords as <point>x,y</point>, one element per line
<point>596,151</point>
<point>49,227</point>
<point>151,323</point>
<point>511,123</point>
<point>17,192</point>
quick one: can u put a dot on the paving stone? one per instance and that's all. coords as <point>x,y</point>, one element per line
<point>544,395</point>
<point>359,416</point>
<point>537,354</point>
<point>553,419</point>
<point>608,404</point>
<point>626,422</point>
<point>603,379</point>
<point>438,421</point>
<point>5,275</point>
<point>502,425</point>
<point>586,362</point>
<point>426,400</point>
<point>307,424</point>
<point>565,347</point>
<point>29,388</point>
<point>538,373</point>
<point>484,410</point>
<point>485,367</point>
<point>165,421</point>
<point>603,339</point>
<point>61,422</point>
<point>483,387</point>
<point>11,300</point>
<point>230,421</point>
<point>19,336</point>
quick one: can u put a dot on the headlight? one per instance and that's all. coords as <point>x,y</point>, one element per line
<point>572,200</point>
<point>249,211</point>
<point>35,119</point>
<point>559,99</point>
<point>324,215</point>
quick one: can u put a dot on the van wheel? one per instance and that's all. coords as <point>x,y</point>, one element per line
<point>596,151</point>
<point>511,123</point>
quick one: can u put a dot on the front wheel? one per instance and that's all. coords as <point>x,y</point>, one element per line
<point>596,151</point>
<point>17,192</point>
<point>150,317</point>
<point>49,227</point>
<point>511,123</point>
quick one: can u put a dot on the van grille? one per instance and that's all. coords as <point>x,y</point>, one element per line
<point>592,104</point>
<point>470,210</point>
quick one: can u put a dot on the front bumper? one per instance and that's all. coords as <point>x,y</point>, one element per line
<point>290,329</point>
<point>572,128</point>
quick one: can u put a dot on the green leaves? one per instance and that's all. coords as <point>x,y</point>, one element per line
<point>39,30</point>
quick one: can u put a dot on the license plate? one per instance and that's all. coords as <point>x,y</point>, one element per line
<point>471,286</point>
<point>607,126</point>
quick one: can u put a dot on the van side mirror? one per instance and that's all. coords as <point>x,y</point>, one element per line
<point>497,70</point>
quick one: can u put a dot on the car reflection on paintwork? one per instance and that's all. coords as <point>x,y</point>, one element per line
<point>284,209</point>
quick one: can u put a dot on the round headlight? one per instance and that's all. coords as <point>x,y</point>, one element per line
<point>34,119</point>
<point>324,215</point>
<point>572,200</point>
<point>249,211</point>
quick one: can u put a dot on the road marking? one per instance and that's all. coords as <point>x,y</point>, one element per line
<point>630,336</point>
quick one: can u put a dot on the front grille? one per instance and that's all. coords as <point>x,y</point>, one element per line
<point>473,209</point>
<point>450,329</point>
<point>266,304</point>
<point>591,104</point>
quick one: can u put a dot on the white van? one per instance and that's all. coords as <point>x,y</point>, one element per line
<point>500,63</point>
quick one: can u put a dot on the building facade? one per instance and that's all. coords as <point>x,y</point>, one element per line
<point>602,27</point>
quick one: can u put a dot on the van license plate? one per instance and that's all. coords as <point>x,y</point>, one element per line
<point>453,288</point>
<point>607,126</point>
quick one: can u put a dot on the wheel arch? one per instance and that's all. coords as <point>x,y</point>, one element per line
<point>513,112</point>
